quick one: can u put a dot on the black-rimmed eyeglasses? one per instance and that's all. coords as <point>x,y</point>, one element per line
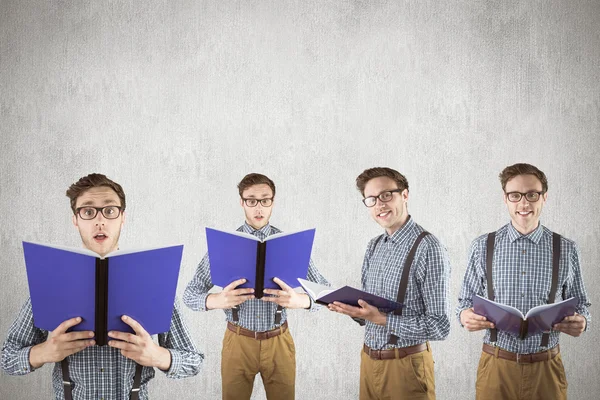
<point>88,212</point>
<point>254,202</point>
<point>515,197</point>
<point>383,196</point>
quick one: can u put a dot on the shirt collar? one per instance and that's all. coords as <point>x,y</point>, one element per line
<point>402,233</point>
<point>534,236</point>
<point>265,230</point>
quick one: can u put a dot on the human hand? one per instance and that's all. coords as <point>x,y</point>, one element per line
<point>60,344</point>
<point>573,325</point>
<point>229,297</point>
<point>474,322</point>
<point>286,297</point>
<point>140,347</point>
<point>364,311</point>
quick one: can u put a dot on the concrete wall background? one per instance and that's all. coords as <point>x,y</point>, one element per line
<point>178,100</point>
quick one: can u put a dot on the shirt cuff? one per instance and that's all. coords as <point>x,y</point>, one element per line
<point>23,361</point>
<point>176,362</point>
<point>202,302</point>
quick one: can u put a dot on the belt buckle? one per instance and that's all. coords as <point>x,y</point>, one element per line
<point>519,358</point>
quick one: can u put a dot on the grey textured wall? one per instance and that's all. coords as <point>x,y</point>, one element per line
<point>177,100</point>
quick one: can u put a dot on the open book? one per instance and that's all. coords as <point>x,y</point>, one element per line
<point>236,255</point>
<point>67,282</point>
<point>537,320</point>
<point>348,295</point>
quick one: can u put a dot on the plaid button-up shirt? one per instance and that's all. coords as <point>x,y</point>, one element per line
<point>426,311</point>
<point>254,314</point>
<point>522,275</point>
<point>99,372</point>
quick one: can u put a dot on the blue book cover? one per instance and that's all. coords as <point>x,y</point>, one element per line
<point>537,320</point>
<point>69,282</point>
<point>348,295</point>
<point>237,255</point>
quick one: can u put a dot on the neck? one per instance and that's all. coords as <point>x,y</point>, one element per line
<point>392,229</point>
<point>256,227</point>
<point>526,230</point>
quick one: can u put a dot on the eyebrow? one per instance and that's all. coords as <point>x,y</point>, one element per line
<point>91,202</point>
<point>383,191</point>
<point>263,196</point>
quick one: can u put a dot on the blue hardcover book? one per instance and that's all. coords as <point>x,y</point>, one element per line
<point>537,320</point>
<point>237,255</point>
<point>348,295</point>
<point>67,282</point>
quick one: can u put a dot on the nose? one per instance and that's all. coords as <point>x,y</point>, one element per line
<point>100,219</point>
<point>379,203</point>
<point>523,200</point>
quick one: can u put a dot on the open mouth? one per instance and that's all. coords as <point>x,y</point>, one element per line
<point>100,237</point>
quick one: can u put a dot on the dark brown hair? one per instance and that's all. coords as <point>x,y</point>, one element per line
<point>522,169</point>
<point>92,181</point>
<point>255,179</point>
<point>371,173</point>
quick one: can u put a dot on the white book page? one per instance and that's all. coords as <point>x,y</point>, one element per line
<point>504,307</point>
<point>315,290</point>
<point>121,252</point>
<point>539,309</point>
<point>282,234</point>
<point>77,250</point>
<point>236,233</point>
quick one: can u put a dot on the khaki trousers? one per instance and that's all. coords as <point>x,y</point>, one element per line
<point>503,379</point>
<point>243,357</point>
<point>410,377</point>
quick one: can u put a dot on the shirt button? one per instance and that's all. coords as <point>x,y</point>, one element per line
<point>523,272</point>
<point>522,294</point>
<point>524,252</point>
<point>101,369</point>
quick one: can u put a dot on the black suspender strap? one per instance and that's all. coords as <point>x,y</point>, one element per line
<point>66,380</point>
<point>555,264</point>
<point>278,315</point>
<point>489,258</point>
<point>236,317</point>
<point>67,385</point>
<point>404,280</point>
<point>137,381</point>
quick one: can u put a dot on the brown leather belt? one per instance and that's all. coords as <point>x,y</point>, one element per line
<point>522,358</point>
<point>398,352</point>
<point>257,335</point>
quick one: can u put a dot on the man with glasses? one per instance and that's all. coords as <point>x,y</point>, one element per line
<point>408,265</point>
<point>523,265</point>
<point>257,339</point>
<point>81,369</point>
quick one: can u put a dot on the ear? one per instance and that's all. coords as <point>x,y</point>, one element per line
<point>122,219</point>
<point>74,219</point>
<point>241,202</point>
<point>404,194</point>
<point>504,198</point>
<point>545,197</point>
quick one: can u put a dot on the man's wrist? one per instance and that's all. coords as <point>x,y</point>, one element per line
<point>164,359</point>
<point>210,300</point>
<point>36,356</point>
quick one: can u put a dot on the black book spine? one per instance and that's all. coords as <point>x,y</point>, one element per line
<point>101,301</point>
<point>261,251</point>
